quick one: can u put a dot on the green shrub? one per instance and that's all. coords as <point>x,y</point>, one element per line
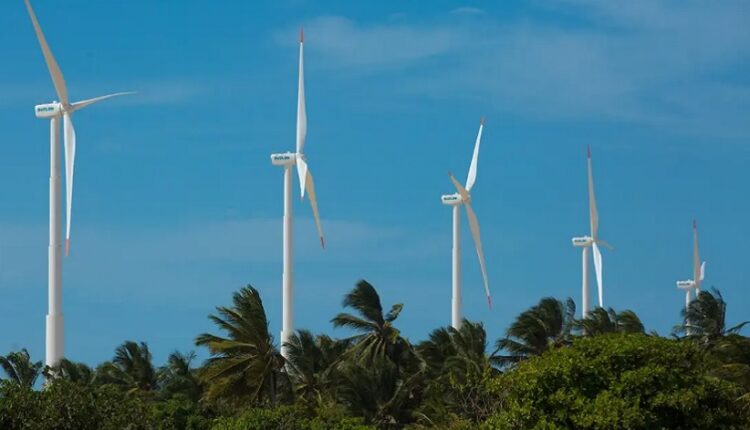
<point>617,381</point>
<point>287,418</point>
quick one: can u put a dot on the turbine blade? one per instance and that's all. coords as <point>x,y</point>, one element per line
<point>70,158</point>
<point>593,213</point>
<point>310,185</point>
<point>302,173</point>
<point>598,269</point>
<point>605,244</point>
<point>696,257</point>
<point>474,226</point>
<point>472,178</point>
<point>459,187</point>
<point>301,111</point>
<point>83,103</point>
<point>54,69</point>
<point>703,270</point>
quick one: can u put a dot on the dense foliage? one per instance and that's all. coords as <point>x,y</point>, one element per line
<point>550,371</point>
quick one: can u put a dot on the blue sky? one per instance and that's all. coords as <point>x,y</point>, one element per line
<point>177,204</point>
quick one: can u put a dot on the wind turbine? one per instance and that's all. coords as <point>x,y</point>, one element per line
<point>591,241</point>
<point>699,271</point>
<point>56,111</point>
<point>287,160</point>
<point>463,198</point>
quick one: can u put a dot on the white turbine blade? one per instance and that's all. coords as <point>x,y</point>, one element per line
<point>703,270</point>
<point>605,244</point>
<point>70,159</point>
<point>598,269</point>
<point>54,69</point>
<point>472,178</point>
<point>301,112</point>
<point>593,213</point>
<point>302,173</point>
<point>474,226</point>
<point>83,103</point>
<point>459,187</point>
<point>696,257</point>
<point>314,205</point>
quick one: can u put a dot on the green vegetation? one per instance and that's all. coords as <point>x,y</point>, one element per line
<point>550,371</point>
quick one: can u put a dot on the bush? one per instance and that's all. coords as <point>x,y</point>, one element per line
<point>617,381</point>
<point>65,405</point>
<point>287,418</point>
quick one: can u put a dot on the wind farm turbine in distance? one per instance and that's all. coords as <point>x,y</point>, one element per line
<point>699,271</point>
<point>591,241</point>
<point>462,197</point>
<point>55,111</point>
<point>287,160</point>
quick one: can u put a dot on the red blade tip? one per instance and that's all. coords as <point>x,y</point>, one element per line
<point>481,121</point>
<point>67,247</point>
<point>322,242</point>
<point>489,301</point>
<point>588,151</point>
<point>301,35</point>
<point>695,224</point>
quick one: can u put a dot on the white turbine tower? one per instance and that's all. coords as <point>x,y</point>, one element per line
<point>462,197</point>
<point>56,111</point>
<point>699,271</point>
<point>287,160</point>
<point>591,241</point>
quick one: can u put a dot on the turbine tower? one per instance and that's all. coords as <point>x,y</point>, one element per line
<point>287,160</point>
<point>55,112</point>
<point>699,271</point>
<point>462,197</point>
<point>591,241</point>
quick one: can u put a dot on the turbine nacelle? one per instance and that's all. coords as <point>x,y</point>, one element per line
<point>582,241</point>
<point>686,285</point>
<point>49,110</point>
<point>451,199</point>
<point>285,159</point>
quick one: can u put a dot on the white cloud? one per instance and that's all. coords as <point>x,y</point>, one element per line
<point>179,256</point>
<point>344,43</point>
<point>655,63</point>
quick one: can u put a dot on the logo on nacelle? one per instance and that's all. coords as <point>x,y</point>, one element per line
<point>48,111</point>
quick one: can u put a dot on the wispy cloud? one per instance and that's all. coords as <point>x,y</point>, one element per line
<point>148,92</point>
<point>393,45</point>
<point>656,63</point>
<point>178,256</point>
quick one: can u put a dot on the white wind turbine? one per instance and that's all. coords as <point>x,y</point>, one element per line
<point>699,271</point>
<point>287,160</point>
<point>56,111</point>
<point>591,241</point>
<point>462,197</point>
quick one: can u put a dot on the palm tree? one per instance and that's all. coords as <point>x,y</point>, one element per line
<point>705,318</point>
<point>378,392</point>
<point>178,378</point>
<point>456,352</point>
<point>245,365</point>
<point>311,360</point>
<point>131,368</point>
<point>457,368</point>
<point>20,369</point>
<point>377,336</point>
<point>544,326</point>
<point>600,321</point>
<point>72,371</point>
